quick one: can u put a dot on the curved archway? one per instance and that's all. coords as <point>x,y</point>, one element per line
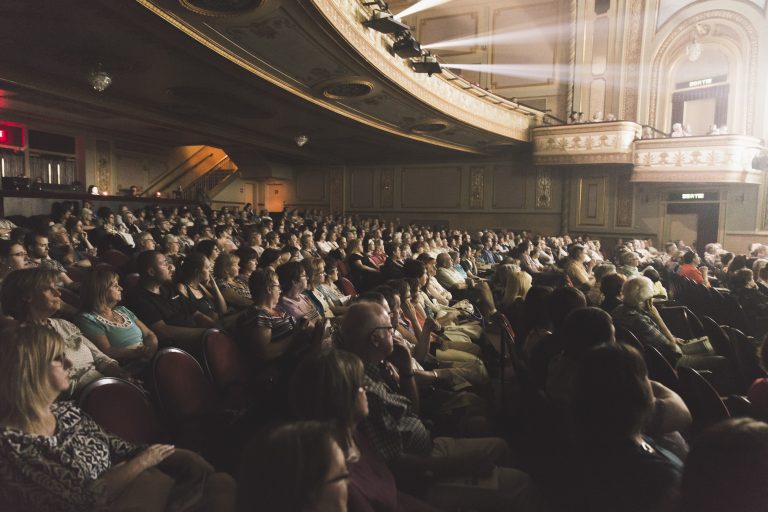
<point>730,32</point>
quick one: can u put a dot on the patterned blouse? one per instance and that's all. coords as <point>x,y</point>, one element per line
<point>239,287</point>
<point>59,472</point>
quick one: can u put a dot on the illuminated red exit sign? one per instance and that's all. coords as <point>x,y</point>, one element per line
<point>2,135</point>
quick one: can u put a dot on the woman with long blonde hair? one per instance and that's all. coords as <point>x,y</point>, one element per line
<point>52,457</point>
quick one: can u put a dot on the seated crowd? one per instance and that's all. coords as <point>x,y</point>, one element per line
<point>387,367</point>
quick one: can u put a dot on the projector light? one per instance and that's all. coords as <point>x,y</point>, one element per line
<point>427,64</point>
<point>385,23</point>
<point>407,48</point>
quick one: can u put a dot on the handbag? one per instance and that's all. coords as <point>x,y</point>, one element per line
<point>697,347</point>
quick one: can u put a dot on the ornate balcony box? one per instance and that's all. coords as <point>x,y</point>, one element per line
<point>585,144</point>
<point>708,159</point>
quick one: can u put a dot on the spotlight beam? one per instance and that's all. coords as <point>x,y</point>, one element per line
<point>420,6</point>
<point>518,36</point>
<point>539,72</point>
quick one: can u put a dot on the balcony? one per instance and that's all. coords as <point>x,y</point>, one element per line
<point>585,144</point>
<point>709,159</point>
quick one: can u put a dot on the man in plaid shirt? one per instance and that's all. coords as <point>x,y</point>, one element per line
<point>466,471</point>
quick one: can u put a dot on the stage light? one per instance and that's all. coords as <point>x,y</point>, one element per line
<point>407,47</point>
<point>384,22</point>
<point>427,64</point>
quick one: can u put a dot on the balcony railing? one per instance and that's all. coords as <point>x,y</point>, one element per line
<point>584,144</point>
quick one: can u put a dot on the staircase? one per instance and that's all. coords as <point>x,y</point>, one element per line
<point>210,183</point>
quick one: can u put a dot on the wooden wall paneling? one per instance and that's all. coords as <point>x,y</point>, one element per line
<point>430,187</point>
<point>534,51</point>
<point>336,186</point>
<point>387,187</point>
<point>624,200</point>
<point>449,27</point>
<point>509,184</point>
<point>361,182</point>
<point>310,186</point>
<point>592,201</point>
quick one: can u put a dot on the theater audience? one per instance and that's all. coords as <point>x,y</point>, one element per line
<point>293,283</point>
<point>296,467</point>
<point>692,269</point>
<point>114,329</point>
<point>330,387</point>
<point>162,308</point>
<point>462,287</point>
<point>744,288</point>
<point>194,281</point>
<point>271,337</point>
<point>52,457</point>
<point>595,295</point>
<point>399,436</point>
<point>611,405</point>
<point>611,287</point>
<point>13,256</point>
<point>36,245</point>
<point>579,272</point>
<point>363,274</point>
<point>226,268</point>
<point>30,296</point>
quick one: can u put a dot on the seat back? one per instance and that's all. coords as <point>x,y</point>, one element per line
<point>659,368</point>
<point>181,386</point>
<point>347,287</point>
<point>70,297</point>
<point>121,408</point>
<point>723,346</point>
<point>626,336</point>
<point>116,258</point>
<point>706,406</point>
<point>680,321</point>
<point>343,268</point>
<point>131,281</point>
<point>226,367</point>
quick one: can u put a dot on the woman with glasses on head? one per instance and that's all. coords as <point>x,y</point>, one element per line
<point>330,386</point>
<point>114,329</point>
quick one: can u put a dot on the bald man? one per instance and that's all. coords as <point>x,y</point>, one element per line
<point>395,430</point>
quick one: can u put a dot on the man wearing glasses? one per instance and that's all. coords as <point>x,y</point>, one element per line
<point>467,472</point>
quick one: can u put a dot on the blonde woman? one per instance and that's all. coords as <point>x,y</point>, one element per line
<point>52,457</point>
<point>518,283</point>
<point>225,271</point>
<point>114,329</point>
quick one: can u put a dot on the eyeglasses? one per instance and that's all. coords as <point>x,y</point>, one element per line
<point>17,254</point>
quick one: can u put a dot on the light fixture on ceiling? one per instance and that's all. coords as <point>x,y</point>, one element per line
<point>301,140</point>
<point>383,21</point>
<point>407,47</point>
<point>693,49</point>
<point>99,79</point>
<point>427,64</point>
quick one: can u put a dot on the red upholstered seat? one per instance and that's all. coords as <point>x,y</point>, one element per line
<point>347,287</point>
<point>181,385</point>
<point>121,408</point>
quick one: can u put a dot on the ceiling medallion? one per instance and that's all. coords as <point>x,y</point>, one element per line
<point>348,89</point>
<point>433,127</point>
<point>219,7</point>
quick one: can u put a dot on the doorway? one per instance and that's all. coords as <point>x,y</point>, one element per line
<point>275,197</point>
<point>694,223</point>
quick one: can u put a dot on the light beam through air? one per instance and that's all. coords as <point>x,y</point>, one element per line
<point>540,35</point>
<point>420,6</point>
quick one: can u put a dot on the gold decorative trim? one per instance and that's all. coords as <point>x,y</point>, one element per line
<point>187,4</point>
<point>633,49</point>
